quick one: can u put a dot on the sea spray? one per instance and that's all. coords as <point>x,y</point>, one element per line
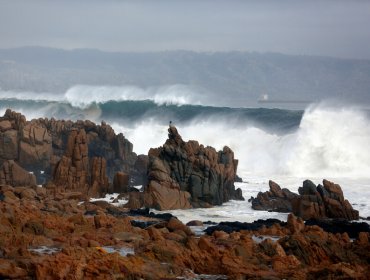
<point>323,141</point>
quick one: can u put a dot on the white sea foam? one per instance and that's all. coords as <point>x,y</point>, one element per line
<point>329,142</point>
<point>110,198</point>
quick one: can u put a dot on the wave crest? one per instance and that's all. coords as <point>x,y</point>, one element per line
<point>83,96</point>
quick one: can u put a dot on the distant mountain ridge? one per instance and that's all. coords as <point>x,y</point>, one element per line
<point>239,78</point>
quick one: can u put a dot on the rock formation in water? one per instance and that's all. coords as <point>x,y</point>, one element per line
<point>185,174</point>
<point>40,144</point>
<point>323,201</point>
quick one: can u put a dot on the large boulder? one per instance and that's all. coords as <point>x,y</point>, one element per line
<point>14,175</point>
<point>184,174</point>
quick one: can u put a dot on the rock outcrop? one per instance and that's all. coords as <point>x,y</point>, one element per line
<point>76,172</point>
<point>276,199</point>
<point>42,237</point>
<point>185,174</point>
<point>323,201</point>
<point>39,145</point>
<point>121,182</point>
<point>14,175</point>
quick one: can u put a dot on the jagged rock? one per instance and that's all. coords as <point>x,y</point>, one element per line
<point>139,173</point>
<point>35,147</point>
<point>12,174</point>
<point>164,197</point>
<point>313,202</point>
<point>38,145</point>
<point>5,125</point>
<point>182,174</point>
<point>277,199</point>
<point>73,170</point>
<point>121,182</point>
<point>8,145</point>
<point>99,180</point>
<point>323,201</point>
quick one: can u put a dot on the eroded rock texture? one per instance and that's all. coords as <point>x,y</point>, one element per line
<point>39,146</point>
<point>185,174</point>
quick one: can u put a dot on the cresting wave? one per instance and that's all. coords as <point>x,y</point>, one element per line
<point>83,96</point>
<point>322,142</point>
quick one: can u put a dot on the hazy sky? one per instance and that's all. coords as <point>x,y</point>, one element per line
<point>335,28</point>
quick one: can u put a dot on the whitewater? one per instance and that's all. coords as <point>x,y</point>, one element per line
<point>287,146</point>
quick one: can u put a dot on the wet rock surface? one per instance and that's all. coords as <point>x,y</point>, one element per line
<point>42,237</point>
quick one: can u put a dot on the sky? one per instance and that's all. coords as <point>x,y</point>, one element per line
<point>339,28</point>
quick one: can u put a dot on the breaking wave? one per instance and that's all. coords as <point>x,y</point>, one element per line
<point>321,141</point>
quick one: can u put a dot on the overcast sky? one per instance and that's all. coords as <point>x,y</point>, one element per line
<point>332,27</point>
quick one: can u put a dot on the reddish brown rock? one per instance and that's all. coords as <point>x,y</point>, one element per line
<point>9,270</point>
<point>73,235</point>
<point>12,174</point>
<point>277,199</point>
<point>38,145</point>
<point>8,145</point>
<point>73,171</point>
<point>313,202</point>
<point>35,147</point>
<point>121,182</point>
<point>99,180</point>
<point>294,224</point>
<point>163,197</point>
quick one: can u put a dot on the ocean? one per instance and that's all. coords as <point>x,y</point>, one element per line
<point>323,140</point>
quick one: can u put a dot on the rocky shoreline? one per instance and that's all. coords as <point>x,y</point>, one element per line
<point>55,231</point>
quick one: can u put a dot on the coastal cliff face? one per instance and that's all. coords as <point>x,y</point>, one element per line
<point>187,174</point>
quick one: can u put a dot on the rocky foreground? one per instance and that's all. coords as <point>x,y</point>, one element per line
<point>49,236</point>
